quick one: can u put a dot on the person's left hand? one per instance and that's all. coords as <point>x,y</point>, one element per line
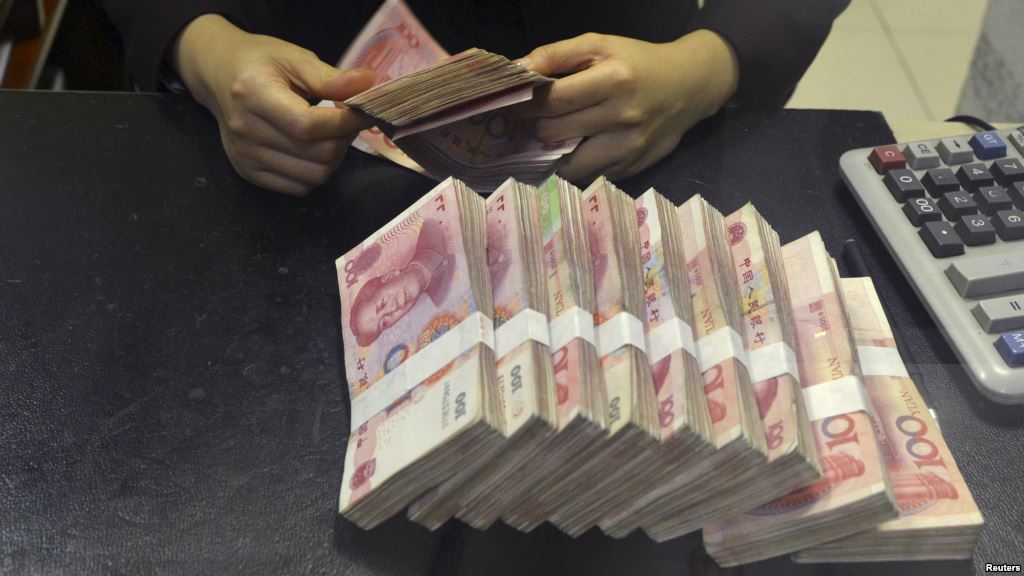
<point>633,99</point>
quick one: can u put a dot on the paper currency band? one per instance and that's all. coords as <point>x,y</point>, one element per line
<point>528,324</point>
<point>570,324</point>
<point>772,361</point>
<point>669,336</point>
<point>719,345</point>
<point>881,361</point>
<point>841,396</point>
<point>477,328</point>
<point>619,330</point>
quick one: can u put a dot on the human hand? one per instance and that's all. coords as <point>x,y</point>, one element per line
<point>256,86</point>
<point>633,99</point>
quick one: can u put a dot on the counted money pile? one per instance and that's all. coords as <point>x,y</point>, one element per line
<point>578,357</point>
<point>441,114</point>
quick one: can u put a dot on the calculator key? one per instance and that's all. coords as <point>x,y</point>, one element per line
<point>992,199</point>
<point>903,184</point>
<point>975,230</point>
<point>921,210</point>
<point>984,275</point>
<point>955,150</point>
<point>1016,192</point>
<point>885,158</point>
<point>938,181</point>
<point>1000,314</point>
<point>1011,348</point>
<point>1007,171</point>
<point>974,176</point>
<point>988,145</point>
<point>1009,224</point>
<point>941,239</point>
<point>1017,139</point>
<point>921,155</point>
<point>957,204</point>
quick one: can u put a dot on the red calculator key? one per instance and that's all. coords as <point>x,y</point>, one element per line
<point>885,158</point>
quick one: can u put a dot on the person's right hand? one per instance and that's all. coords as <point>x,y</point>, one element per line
<point>257,88</point>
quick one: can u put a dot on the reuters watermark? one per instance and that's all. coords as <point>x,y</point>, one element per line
<point>1002,567</point>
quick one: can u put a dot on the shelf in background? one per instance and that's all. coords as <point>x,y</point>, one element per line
<point>28,54</point>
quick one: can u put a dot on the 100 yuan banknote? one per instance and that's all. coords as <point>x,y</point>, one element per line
<point>393,43</point>
<point>773,362</point>
<point>669,336</point>
<point>851,463</point>
<point>406,301</point>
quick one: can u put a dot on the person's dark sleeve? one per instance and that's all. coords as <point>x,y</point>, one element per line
<point>774,40</point>
<point>149,28</point>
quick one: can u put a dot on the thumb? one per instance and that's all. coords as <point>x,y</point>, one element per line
<point>317,79</point>
<point>565,56</point>
<point>340,85</point>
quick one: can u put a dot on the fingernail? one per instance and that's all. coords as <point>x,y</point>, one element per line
<point>524,62</point>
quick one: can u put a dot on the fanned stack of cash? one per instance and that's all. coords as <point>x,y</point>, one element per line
<point>768,337</point>
<point>581,405</point>
<point>938,518</point>
<point>416,320</point>
<point>524,374</point>
<point>657,368</point>
<point>630,448</point>
<point>686,434</point>
<point>582,396</point>
<point>854,492</point>
<point>792,461</point>
<point>469,81</point>
<point>442,114</point>
<point>672,509</point>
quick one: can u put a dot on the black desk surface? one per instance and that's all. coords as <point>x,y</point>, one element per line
<point>173,390</point>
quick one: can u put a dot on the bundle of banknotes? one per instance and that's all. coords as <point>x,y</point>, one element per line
<point>446,115</point>
<point>580,357</point>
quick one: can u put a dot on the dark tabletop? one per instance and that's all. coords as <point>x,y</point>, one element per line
<point>170,357</point>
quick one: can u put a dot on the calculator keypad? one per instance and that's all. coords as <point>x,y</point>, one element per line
<point>964,198</point>
<point>961,192</point>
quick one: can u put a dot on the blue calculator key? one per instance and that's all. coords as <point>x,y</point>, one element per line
<point>1011,348</point>
<point>988,145</point>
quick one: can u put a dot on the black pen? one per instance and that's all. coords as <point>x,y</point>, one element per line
<point>854,260</point>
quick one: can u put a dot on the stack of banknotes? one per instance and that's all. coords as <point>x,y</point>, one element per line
<point>440,114</point>
<point>580,357</point>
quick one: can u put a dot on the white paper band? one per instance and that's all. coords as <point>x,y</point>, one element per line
<point>619,330</point>
<point>772,361</point>
<point>671,335</point>
<point>528,324</point>
<point>719,345</point>
<point>881,361</point>
<point>837,397</point>
<point>477,328</point>
<point>570,324</point>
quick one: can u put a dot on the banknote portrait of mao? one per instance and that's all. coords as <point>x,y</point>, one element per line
<point>383,300</point>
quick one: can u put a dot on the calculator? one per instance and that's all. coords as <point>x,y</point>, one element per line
<point>951,213</point>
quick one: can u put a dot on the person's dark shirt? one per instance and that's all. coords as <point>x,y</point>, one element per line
<point>774,40</point>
